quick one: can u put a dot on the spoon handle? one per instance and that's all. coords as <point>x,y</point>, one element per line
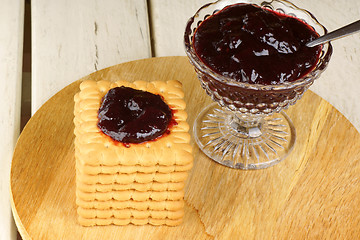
<point>341,32</point>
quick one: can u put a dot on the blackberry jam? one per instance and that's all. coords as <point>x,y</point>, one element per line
<point>254,45</point>
<point>129,115</point>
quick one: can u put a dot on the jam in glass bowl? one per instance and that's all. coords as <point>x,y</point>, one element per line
<point>250,57</point>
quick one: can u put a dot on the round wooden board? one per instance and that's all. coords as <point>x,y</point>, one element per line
<point>313,193</point>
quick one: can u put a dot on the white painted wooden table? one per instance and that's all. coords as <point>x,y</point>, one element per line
<point>73,38</point>
<point>11,43</point>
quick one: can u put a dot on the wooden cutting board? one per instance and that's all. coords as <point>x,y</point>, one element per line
<point>312,194</point>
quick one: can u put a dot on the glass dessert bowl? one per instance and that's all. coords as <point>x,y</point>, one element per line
<point>246,128</point>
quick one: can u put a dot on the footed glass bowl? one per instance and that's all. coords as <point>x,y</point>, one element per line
<point>246,127</point>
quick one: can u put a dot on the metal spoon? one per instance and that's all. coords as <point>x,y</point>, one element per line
<point>341,32</point>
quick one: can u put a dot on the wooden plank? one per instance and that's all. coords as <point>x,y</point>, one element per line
<point>168,19</point>
<point>71,39</point>
<point>312,194</point>
<point>339,85</point>
<point>11,44</point>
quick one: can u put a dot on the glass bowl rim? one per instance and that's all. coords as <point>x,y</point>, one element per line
<point>305,80</point>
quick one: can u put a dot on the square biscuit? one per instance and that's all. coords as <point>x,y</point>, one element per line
<point>124,178</point>
<point>144,205</point>
<point>121,222</point>
<point>94,148</point>
<point>129,213</point>
<point>127,195</point>
<point>142,187</point>
<point>116,169</point>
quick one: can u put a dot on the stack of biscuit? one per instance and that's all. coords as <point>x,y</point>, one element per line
<point>136,183</point>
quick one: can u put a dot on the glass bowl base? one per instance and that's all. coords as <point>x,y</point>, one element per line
<point>235,142</point>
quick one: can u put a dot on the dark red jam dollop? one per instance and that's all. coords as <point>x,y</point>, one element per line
<point>251,44</point>
<point>129,115</point>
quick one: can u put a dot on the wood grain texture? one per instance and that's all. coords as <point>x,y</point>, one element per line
<point>71,39</point>
<point>312,194</point>
<point>339,84</point>
<point>11,45</point>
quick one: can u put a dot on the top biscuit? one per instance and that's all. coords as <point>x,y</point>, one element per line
<point>94,148</point>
